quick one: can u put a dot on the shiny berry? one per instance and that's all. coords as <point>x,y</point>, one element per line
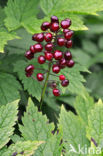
<point>54,27</point>
<point>56,92</point>
<point>56,68</point>
<point>48,56</point>
<point>48,37</point>
<point>61,77</point>
<point>62,63</point>
<point>61,41</point>
<point>41,59</point>
<point>58,55</point>
<point>45,26</point>
<point>53,85</point>
<point>67,19</point>
<point>65,83</point>
<point>68,35</point>
<point>68,55</point>
<point>70,63</point>
<point>29,68</point>
<point>32,49</point>
<point>40,37</point>
<point>65,30</point>
<point>29,55</point>
<point>69,44</point>
<point>38,47</point>
<point>54,19</point>
<point>40,77</point>
<point>49,46</point>
<point>34,37</point>
<point>65,24</point>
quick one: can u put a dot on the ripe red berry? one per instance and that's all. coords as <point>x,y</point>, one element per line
<point>56,92</point>
<point>61,41</point>
<point>54,19</point>
<point>65,30</point>
<point>40,77</point>
<point>68,55</point>
<point>29,68</point>
<point>34,37</point>
<point>32,49</point>
<point>53,85</point>
<point>29,55</point>
<point>65,24</point>
<point>62,77</point>
<point>67,19</point>
<point>48,37</point>
<point>38,47</point>
<point>58,55</point>
<point>62,63</point>
<point>40,37</point>
<point>56,68</point>
<point>48,56</point>
<point>69,44</point>
<point>49,46</point>
<point>45,26</point>
<point>41,59</point>
<point>65,83</point>
<point>70,63</point>
<point>68,35</point>
<point>54,27</point>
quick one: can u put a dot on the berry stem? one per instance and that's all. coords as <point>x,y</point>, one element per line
<point>45,86</point>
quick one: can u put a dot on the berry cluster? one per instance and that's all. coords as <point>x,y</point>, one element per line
<point>57,34</point>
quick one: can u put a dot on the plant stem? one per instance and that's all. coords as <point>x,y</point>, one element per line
<point>45,86</point>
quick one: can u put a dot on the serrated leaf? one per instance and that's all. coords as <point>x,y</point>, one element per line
<point>26,148</point>
<point>83,105</point>
<point>18,12</point>
<point>9,88</point>
<point>8,116</point>
<point>37,127</point>
<point>74,134</point>
<point>95,124</point>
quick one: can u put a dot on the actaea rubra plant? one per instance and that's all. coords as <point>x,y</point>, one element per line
<point>55,34</point>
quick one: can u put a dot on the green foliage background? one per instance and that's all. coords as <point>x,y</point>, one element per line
<point>73,118</point>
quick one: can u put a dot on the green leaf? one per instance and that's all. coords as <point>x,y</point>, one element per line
<point>95,123</point>
<point>8,116</point>
<point>9,88</point>
<point>83,105</point>
<point>26,148</point>
<point>37,127</point>
<point>100,43</point>
<point>18,12</point>
<point>4,37</point>
<point>74,133</point>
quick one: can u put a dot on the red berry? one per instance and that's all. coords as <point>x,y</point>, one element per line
<point>62,77</point>
<point>29,55</point>
<point>62,63</point>
<point>56,68</point>
<point>61,41</point>
<point>58,55</point>
<point>40,37</point>
<point>49,46</point>
<point>41,59</point>
<point>48,37</point>
<point>65,30</point>
<point>53,85</point>
<point>69,44</point>
<point>32,49</point>
<point>40,77</point>
<point>68,35</point>
<point>68,55</point>
<point>67,19</point>
<point>34,37</point>
<point>56,92</point>
<point>29,74</point>
<point>29,68</point>
<point>45,26</point>
<point>54,19</point>
<point>54,27</point>
<point>65,83</point>
<point>48,56</point>
<point>65,24</point>
<point>38,47</point>
<point>70,63</point>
